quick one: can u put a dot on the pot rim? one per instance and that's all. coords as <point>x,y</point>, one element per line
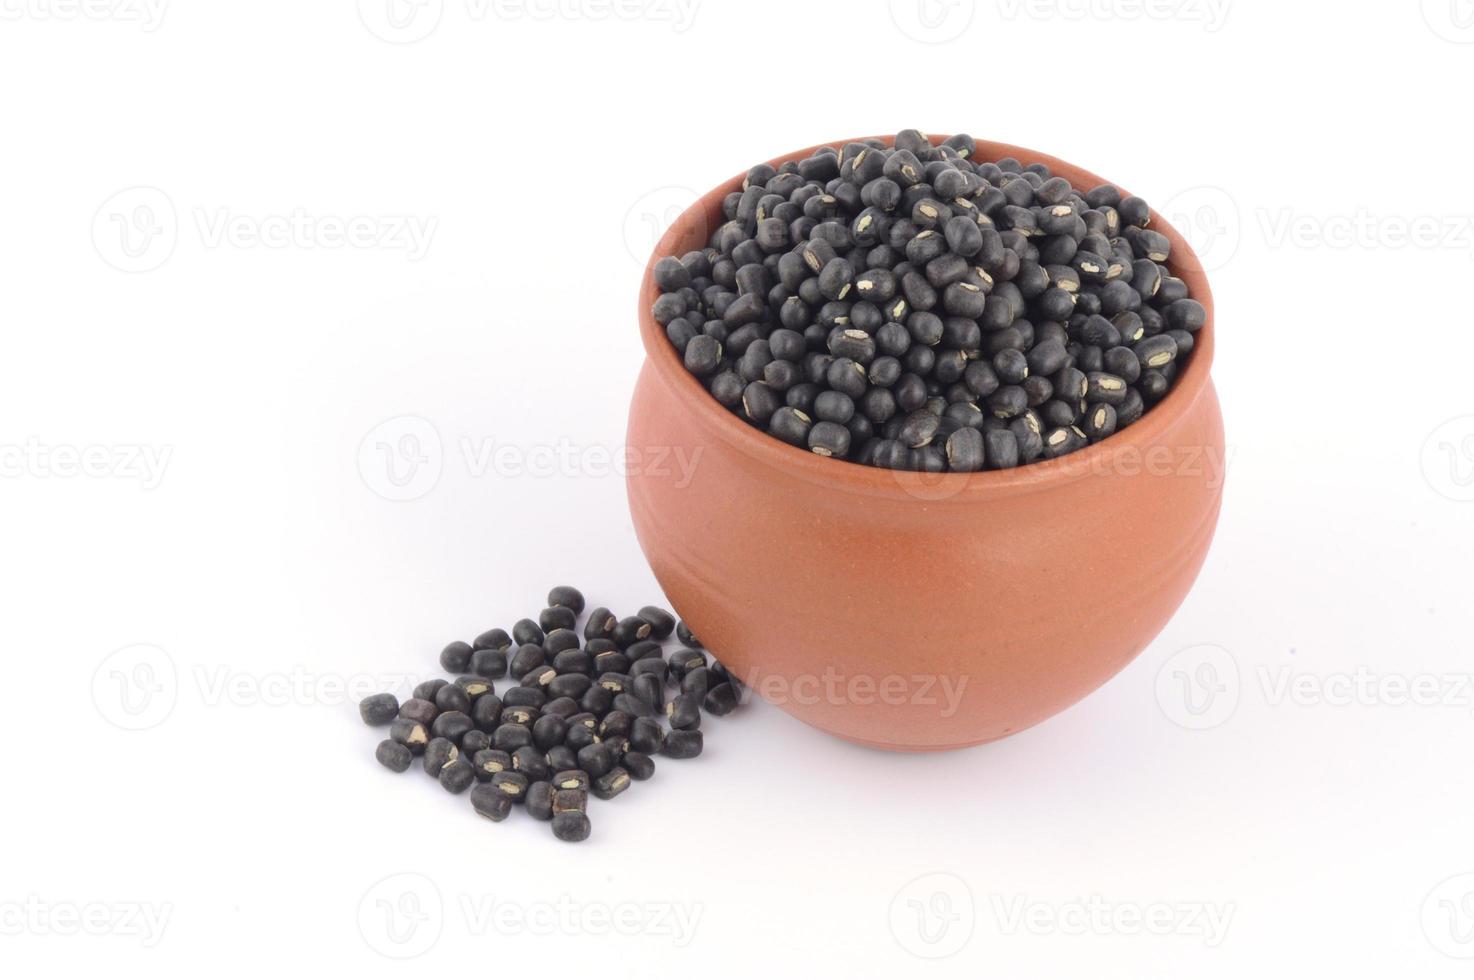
<point>716,420</point>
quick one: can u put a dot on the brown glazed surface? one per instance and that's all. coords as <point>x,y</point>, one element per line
<point>856,598</point>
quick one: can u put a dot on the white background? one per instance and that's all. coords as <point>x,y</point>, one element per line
<point>228,559</point>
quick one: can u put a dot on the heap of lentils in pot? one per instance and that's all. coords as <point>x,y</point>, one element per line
<point>915,308</point>
<point>579,717</point>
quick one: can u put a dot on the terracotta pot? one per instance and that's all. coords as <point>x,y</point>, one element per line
<point>909,611</point>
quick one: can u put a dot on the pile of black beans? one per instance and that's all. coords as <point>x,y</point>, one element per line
<point>912,307</point>
<point>582,716</point>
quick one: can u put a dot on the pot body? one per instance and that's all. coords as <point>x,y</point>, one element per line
<point>910,611</point>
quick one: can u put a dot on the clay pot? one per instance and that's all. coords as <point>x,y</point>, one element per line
<point>909,611</point>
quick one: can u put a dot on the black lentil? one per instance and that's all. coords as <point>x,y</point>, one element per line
<point>611,784</point>
<point>492,639</point>
<point>684,712</point>
<point>683,744</point>
<point>489,663</point>
<point>539,800</point>
<point>411,734</point>
<point>639,765</point>
<point>420,710</point>
<point>457,776</point>
<point>586,716</point>
<point>456,657</point>
<point>858,286</point>
<point>453,698</point>
<point>378,709</point>
<point>438,753</point>
<point>491,803</point>
<point>566,596</point>
<point>571,825</point>
<point>489,762</point>
<point>393,756</point>
<point>662,623</point>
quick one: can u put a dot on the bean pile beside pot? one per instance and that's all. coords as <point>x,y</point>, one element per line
<point>582,717</point>
<point>912,307</point>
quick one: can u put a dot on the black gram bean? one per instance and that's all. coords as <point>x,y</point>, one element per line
<point>561,706</point>
<point>486,712</point>
<point>611,784</point>
<point>1066,439</point>
<point>722,698</point>
<point>647,735</point>
<point>548,731</point>
<point>453,698</point>
<point>510,784</point>
<point>662,623</point>
<point>510,736</point>
<point>648,688</point>
<point>418,709</point>
<point>456,657</point>
<point>489,662</point>
<point>451,725</point>
<point>539,801</point>
<point>600,624</point>
<point>571,825</point>
<point>525,631</point>
<point>964,450</point>
<point>528,657</point>
<point>1100,421</point>
<point>556,618</point>
<point>683,744</point>
<point>696,682</point>
<point>530,761</point>
<point>596,759</point>
<point>829,439</point>
<point>561,757</point>
<point>791,425</point>
<point>520,715</point>
<point>626,701</point>
<point>378,709</point>
<point>569,686</point>
<point>638,764</point>
<point>491,803</point>
<point>410,733</point>
<point>570,779</point>
<point>684,712</point>
<point>489,762</point>
<point>393,756</point>
<point>687,638</point>
<point>596,700</point>
<point>566,596</point>
<point>653,666</point>
<point>570,660</point>
<point>457,776</point>
<point>630,630</point>
<point>524,697</point>
<point>426,690</point>
<point>474,741</point>
<point>475,687</point>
